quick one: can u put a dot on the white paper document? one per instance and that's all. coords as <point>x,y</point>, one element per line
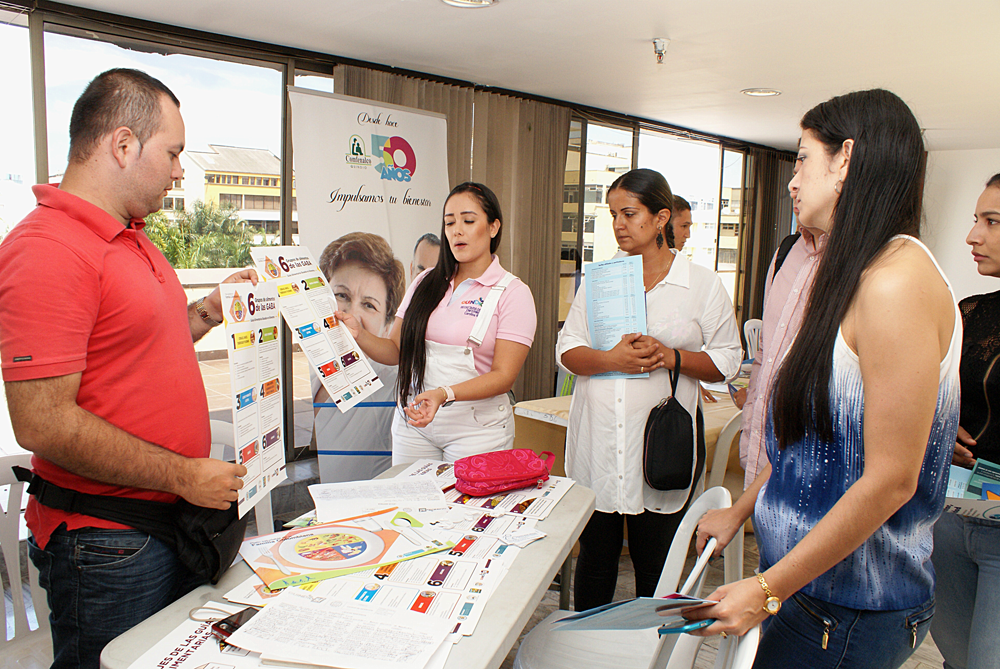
<point>335,501</point>
<point>251,320</point>
<point>191,646</point>
<point>307,305</point>
<point>300,627</point>
<point>616,304</point>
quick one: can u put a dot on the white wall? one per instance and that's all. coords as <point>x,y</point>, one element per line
<point>955,180</point>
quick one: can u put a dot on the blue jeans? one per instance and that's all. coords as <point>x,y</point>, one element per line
<point>101,583</point>
<point>967,566</point>
<point>855,639</point>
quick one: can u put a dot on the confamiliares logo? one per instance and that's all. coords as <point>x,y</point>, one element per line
<point>356,155</point>
<point>399,162</point>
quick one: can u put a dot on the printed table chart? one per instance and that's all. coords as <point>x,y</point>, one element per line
<point>505,615</point>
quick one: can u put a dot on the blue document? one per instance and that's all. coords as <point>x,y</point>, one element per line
<point>633,614</point>
<point>616,305</point>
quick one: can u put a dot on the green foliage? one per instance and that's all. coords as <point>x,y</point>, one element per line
<point>205,236</point>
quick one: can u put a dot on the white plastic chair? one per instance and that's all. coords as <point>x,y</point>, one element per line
<point>545,648</point>
<point>723,446</point>
<point>28,648</point>
<point>751,330</point>
<point>224,448</point>
<point>735,652</point>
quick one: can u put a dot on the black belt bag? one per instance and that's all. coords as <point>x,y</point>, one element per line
<point>206,540</point>
<point>668,460</point>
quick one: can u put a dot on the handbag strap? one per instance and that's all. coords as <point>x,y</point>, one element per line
<point>145,515</point>
<point>675,373</point>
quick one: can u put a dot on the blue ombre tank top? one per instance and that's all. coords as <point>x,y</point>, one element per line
<point>891,570</point>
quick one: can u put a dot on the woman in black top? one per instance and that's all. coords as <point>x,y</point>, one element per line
<point>967,551</point>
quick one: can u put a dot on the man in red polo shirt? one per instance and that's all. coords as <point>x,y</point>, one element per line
<point>102,381</point>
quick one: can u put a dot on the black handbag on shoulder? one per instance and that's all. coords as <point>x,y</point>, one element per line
<point>668,461</point>
<point>206,540</point>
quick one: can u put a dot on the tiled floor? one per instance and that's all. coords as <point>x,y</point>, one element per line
<point>925,657</point>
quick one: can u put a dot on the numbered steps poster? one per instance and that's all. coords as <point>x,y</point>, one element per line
<point>307,305</point>
<point>251,318</point>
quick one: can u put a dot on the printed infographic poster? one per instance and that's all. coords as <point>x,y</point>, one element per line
<point>251,319</point>
<point>307,305</point>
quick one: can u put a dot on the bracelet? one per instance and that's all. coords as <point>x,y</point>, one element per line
<point>199,306</point>
<point>449,395</point>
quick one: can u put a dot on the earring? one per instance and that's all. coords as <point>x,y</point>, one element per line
<point>838,186</point>
<point>659,238</point>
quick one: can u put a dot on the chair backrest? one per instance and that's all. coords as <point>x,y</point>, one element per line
<point>223,440</point>
<point>723,447</point>
<point>751,330</point>
<point>670,576</point>
<point>11,548</point>
<point>735,652</point>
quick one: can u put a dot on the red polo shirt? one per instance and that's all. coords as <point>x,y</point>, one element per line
<point>80,293</point>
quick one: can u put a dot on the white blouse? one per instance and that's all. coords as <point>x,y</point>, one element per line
<point>688,309</point>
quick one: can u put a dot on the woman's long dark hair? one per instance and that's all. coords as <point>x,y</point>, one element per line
<point>652,190</point>
<point>880,198</point>
<point>430,292</point>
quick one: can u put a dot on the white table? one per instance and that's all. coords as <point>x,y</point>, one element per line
<point>505,615</point>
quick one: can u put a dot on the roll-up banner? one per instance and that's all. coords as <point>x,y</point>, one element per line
<point>380,170</point>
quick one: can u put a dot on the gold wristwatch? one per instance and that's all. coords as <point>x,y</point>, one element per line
<point>772,604</point>
<point>199,306</point>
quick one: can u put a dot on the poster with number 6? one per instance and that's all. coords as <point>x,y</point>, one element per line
<point>307,305</point>
<point>252,321</point>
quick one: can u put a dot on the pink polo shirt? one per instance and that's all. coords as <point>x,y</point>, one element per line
<point>453,319</point>
<point>785,298</point>
<point>81,293</point>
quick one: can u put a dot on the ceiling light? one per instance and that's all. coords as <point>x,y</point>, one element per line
<point>468,4</point>
<point>760,92</point>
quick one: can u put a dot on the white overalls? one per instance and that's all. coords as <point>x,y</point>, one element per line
<point>464,427</point>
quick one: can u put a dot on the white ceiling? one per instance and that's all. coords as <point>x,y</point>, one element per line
<point>935,55</point>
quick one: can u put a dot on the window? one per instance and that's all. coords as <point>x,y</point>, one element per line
<point>571,193</point>
<point>17,158</point>
<point>168,203</point>
<point>692,170</point>
<point>593,194</point>
<point>727,257</point>
<point>234,199</point>
<point>588,222</point>
<point>177,183</point>
<point>729,219</point>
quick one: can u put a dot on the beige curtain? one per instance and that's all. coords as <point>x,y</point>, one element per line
<point>519,150</point>
<point>765,220</point>
<point>455,102</point>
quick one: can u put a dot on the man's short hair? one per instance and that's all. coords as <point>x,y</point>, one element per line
<point>428,237</point>
<point>680,204</point>
<point>116,98</point>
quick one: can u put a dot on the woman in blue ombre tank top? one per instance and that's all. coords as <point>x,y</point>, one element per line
<point>864,415</point>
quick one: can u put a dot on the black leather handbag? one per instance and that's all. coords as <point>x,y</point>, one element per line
<point>667,454</point>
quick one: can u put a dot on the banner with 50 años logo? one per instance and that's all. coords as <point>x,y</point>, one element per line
<point>363,166</point>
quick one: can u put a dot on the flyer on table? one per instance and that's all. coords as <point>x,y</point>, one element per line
<point>251,317</point>
<point>307,305</point>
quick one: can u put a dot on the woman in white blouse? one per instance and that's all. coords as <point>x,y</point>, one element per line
<point>687,309</point>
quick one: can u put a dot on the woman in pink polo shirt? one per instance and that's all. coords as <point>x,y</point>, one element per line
<point>460,338</point>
